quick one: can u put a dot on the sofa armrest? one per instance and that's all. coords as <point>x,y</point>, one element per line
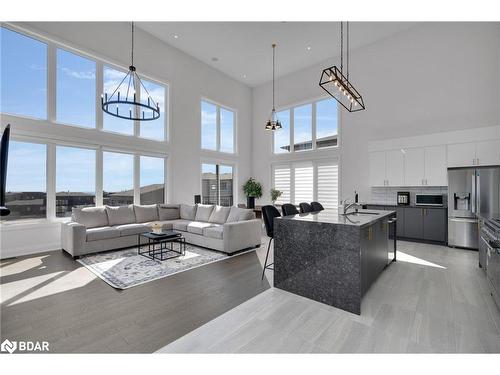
<point>73,237</point>
<point>242,235</point>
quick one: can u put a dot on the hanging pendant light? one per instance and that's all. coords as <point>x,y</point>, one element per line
<point>124,97</point>
<point>337,85</point>
<point>273,123</point>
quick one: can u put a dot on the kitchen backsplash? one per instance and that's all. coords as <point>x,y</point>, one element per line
<point>383,195</point>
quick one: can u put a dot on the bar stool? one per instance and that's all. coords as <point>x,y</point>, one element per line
<point>269,213</point>
<point>289,209</point>
<point>305,207</point>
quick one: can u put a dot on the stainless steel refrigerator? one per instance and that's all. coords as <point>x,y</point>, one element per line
<point>472,192</point>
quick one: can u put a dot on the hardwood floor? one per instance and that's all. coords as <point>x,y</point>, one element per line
<point>433,299</point>
<point>50,297</point>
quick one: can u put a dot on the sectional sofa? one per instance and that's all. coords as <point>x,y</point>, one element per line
<point>95,229</point>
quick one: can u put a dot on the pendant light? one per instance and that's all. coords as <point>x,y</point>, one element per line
<point>124,97</point>
<point>273,123</point>
<point>337,85</point>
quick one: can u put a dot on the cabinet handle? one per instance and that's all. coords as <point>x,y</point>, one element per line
<point>477,161</point>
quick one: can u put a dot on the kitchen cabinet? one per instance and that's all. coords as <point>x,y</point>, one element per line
<point>413,222</point>
<point>434,224</point>
<point>414,166</point>
<point>474,153</point>
<point>387,168</point>
<point>435,166</point>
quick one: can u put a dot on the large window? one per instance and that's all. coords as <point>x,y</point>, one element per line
<point>307,181</point>
<point>75,179</point>
<point>23,75</point>
<point>26,193</point>
<point>75,89</point>
<point>118,178</point>
<point>307,127</point>
<point>112,78</point>
<point>217,184</point>
<point>152,188</point>
<point>154,129</point>
<point>217,128</point>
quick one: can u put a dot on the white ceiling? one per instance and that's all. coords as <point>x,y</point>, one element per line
<point>244,52</point>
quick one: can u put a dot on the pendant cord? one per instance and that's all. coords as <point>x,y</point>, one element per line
<point>341,47</point>
<point>132,43</point>
<point>347,25</point>
<point>274,47</point>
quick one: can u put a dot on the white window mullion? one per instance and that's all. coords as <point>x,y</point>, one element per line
<point>99,200</point>
<point>217,126</point>
<point>51,181</point>
<point>313,127</point>
<point>137,179</point>
<point>99,89</point>
<point>292,130</point>
<point>166,177</point>
<point>51,83</point>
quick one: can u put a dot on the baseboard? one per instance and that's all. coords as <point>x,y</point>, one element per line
<point>13,253</point>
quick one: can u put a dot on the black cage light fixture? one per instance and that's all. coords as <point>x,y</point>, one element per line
<point>124,97</point>
<point>273,123</point>
<point>337,84</point>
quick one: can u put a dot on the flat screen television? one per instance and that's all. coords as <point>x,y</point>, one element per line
<point>4,154</point>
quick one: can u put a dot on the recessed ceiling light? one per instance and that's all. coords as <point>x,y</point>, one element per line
<point>308,48</point>
<point>215,59</point>
<point>244,76</point>
<point>176,36</point>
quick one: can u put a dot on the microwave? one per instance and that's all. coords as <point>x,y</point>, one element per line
<point>429,200</point>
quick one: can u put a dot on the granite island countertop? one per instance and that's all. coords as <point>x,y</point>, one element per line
<point>359,218</point>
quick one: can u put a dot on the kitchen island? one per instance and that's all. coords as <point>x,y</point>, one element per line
<point>330,257</point>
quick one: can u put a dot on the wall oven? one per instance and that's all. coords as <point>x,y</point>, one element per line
<point>429,200</point>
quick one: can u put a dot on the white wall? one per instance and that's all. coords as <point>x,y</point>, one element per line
<point>435,77</point>
<point>189,80</point>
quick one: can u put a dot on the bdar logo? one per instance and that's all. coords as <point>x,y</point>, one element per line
<point>8,346</point>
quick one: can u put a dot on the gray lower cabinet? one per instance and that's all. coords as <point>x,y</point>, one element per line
<point>435,224</point>
<point>413,222</point>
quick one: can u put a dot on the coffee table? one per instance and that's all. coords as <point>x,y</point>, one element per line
<point>161,246</point>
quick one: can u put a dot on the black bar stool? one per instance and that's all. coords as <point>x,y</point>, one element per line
<point>269,213</point>
<point>289,209</point>
<point>305,208</point>
<point>316,206</point>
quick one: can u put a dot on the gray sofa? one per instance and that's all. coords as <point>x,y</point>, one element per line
<point>95,229</point>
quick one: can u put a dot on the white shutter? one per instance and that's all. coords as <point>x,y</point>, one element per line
<point>328,185</point>
<point>282,183</point>
<point>304,183</point>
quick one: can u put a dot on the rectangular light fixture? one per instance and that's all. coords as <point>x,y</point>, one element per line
<point>338,86</point>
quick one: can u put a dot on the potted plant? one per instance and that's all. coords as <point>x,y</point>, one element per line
<point>252,190</point>
<point>275,194</point>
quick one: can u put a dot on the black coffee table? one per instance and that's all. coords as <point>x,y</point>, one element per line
<point>161,246</point>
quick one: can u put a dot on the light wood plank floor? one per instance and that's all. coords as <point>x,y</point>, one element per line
<point>434,299</point>
<point>50,297</point>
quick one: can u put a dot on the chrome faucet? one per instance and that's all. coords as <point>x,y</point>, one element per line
<point>346,206</point>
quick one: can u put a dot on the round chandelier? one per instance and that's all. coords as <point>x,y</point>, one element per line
<point>273,123</point>
<point>123,102</point>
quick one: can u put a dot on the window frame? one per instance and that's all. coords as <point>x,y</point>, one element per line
<point>313,102</point>
<point>218,107</point>
<point>219,162</point>
<point>315,163</point>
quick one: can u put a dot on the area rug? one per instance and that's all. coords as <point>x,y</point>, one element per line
<point>124,269</point>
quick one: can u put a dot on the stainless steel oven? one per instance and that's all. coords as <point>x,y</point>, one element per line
<point>429,200</point>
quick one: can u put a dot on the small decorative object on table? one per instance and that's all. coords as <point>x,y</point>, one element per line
<point>157,229</point>
<point>252,190</point>
<point>275,194</point>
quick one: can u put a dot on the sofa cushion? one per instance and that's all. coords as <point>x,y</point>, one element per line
<point>214,232</point>
<point>91,217</point>
<point>197,227</point>
<point>102,233</point>
<point>181,225</point>
<point>165,224</point>
<point>120,215</point>
<point>144,213</point>
<point>187,212</point>
<point>131,229</point>
<point>168,212</point>
<point>219,214</point>
<point>203,212</point>
<point>240,214</point>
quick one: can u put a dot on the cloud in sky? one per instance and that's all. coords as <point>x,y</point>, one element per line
<point>79,74</point>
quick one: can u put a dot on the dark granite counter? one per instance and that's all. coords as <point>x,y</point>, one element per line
<point>331,258</point>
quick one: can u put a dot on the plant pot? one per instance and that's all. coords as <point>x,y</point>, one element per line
<point>251,202</point>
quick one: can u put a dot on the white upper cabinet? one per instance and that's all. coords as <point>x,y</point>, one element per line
<point>488,152</point>
<point>461,154</point>
<point>394,169</point>
<point>414,166</point>
<point>435,166</point>
<point>377,169</point>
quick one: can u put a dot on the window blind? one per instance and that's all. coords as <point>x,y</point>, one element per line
<point>282,183</point>
<point>328,189</point>
<point>304,183</point>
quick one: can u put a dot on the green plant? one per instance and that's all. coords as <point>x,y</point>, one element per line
<point>252,188</point>
<point>275,194</point>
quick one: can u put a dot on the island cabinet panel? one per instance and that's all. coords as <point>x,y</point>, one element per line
<point>434,224</point>
<point>413,222</point>
<point>400,226</point>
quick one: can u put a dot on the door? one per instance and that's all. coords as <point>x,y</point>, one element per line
<point>377,168</point>
<point>414,166</point>
<point>488,152</point>
<point>488,190</point>
<point>394,171</point>
<point>461,192</point>
<point>435,224</point>
<point>400,225</point>
<point>413,222</point>
<point>461,154</point>
<point>435,166</point>
<point>463,232</point>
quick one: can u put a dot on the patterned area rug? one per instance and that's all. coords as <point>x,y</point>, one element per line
<point>124,269</point>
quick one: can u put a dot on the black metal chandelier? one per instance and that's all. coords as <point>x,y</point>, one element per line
<point>273,123</point>
<point>124,97</point>
<point>337,85</point>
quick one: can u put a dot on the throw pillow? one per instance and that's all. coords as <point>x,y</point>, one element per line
<point>120,215</point>
<point>219,215</point>
<point>91,217</point>
<point>203,212</point>
<point>168,212</point>
<point>146,213</point>
<point>188,212</point>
